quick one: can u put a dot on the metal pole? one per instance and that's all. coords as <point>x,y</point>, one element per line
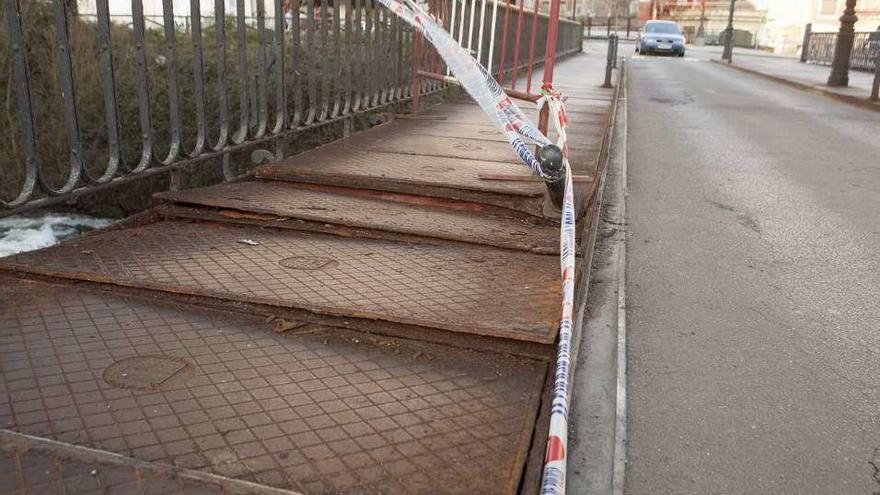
<point>628,26</point>
<point>846,35</point>
<point>728,43</point>
<point>589,26</point>
<point>805,48</point>
<point>547,156</point>
<point>616,43</point>
<point>549,59</point>
<point>609,63</point>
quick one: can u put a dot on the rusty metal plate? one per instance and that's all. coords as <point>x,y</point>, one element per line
<point>326,411</point>
<point>447,178</point>
<point>151,372</point>
<point>452,287</point>
<point>414,215</point>
<point>30,466</point>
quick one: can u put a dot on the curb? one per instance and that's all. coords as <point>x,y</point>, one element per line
<point>852,100</point>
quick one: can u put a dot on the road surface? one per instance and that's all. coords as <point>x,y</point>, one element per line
<point>753,285</point>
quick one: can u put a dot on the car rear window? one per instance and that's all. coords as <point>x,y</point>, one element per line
<point>662,28</point>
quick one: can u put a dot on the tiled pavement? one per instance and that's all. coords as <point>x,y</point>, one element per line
<point>128,383</point>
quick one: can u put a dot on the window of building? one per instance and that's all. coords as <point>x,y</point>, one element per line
<point>828,7</point>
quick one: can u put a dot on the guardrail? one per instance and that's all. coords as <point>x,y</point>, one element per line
<point>818,49</point>
<point>96,101</point>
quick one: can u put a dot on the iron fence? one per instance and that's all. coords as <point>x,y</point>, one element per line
<point>166,94</point>
<point>820,49</point>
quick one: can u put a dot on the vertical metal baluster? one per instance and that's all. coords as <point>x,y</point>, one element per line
<point>173,87</point>
<point>71,121</point>
<point>309,64</point>
<point>482,32</point>
<point>503,55</point>
<point>222,97</point>
<point>280,89</point>
<point>296,65</point>
<point>492,39</point>
<point>143,86</point>
<point>369,61</point>
<point>108,85</point>
<point>516,45</point>
<point>347,59</point>
<point>532,39</point>
<point>452,24</point>
<point>473,16</point>
<point>23,104</point>
<point>357,60</point>
<point>338,84</point>
<point>262,85</point>
<point>376,66</point>
<point>398,52</point>
<point>198,77</point>
<point>382,66</point>
<point>322,60</point>
<point>243,72</point>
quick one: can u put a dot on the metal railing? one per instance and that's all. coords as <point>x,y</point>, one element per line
<point>819,49</point>
<point>93,103</point>
<point>505,38</point>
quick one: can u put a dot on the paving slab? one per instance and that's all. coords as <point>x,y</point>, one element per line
<point>457,288</point>
<point>405,214</point>
<point>314,409</point>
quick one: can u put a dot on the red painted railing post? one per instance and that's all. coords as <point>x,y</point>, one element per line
<point>549,59</point>
<point>416,80</point>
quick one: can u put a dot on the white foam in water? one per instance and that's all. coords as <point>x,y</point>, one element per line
<point>22,233</point>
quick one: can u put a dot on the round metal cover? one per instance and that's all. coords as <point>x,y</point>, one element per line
<point>307,263</point>
<point>151,372</point>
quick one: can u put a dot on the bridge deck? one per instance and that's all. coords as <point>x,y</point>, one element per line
<point>374,316</point>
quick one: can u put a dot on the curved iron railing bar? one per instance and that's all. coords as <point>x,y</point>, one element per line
<point>337,58</point>
<point>173,87</point>
<point>309,64</point>
<point>322,60</point>
<point>278,54</point>
<point>23,103</point>
<point>261,86</point>
<point>222,97</point>
<point>243,84</point>
<point>143,89</point>
<point>68,95</point>
<point>108,87</point>
<point>296,65</point>
<point>198,77</point>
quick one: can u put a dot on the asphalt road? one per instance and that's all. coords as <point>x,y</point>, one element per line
<point>753,285</point>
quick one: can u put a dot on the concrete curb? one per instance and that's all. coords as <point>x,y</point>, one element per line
<point>852,100</point>
<point>598,422</point>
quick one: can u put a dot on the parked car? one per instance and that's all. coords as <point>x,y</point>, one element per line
<point>660,37</point>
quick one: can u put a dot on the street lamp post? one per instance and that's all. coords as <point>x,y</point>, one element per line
<point>728,43</point>
<point>846,35</point>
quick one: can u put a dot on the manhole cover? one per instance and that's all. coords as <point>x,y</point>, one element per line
<point>147,372</point>
<point>308,263</point>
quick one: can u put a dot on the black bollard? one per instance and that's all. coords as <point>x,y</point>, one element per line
<point>609,63</point>
<point>551,160</point>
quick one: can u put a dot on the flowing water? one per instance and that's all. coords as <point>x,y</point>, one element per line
<point>22,233</point>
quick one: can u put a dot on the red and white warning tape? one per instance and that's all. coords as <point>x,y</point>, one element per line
<point>486,91</point>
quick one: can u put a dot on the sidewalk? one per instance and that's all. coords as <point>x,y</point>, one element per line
<point>790,70</point>
<point>377,315</point>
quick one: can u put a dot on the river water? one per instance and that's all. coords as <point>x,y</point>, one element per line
<point>22,233</point>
